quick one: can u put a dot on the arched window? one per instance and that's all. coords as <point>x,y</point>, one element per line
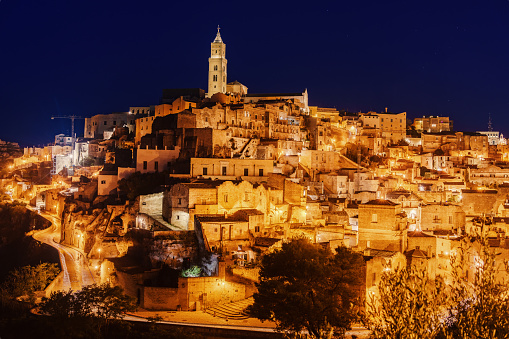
<point>215,67</point>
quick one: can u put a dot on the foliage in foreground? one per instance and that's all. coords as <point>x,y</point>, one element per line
<point>304,287</point>
<point>93,301</point>
<point>410,305</point>
<point>480,297</point>
<point>474,303</point>
<point>41,327</point>
<point>16,320</point>
<point>145,183</point>
<point>28,279</point>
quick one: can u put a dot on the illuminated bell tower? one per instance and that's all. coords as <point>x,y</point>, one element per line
<point>217,66</point>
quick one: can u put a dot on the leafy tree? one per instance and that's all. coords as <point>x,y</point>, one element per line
<point>28,279</point>
<point>351,152</point>
<point>473,304</point>
<point>402,142</point>
<point>409,305</point>
<point>145,183</point>
<point>93,301</point>
<point>304,287</point>
<point>480,296</point>
<point>193,271</point>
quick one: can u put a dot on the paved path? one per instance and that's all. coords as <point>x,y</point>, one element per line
<point>72,260</point>
<point>203,319</point>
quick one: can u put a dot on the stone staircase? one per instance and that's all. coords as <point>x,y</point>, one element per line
<point>235,310</point>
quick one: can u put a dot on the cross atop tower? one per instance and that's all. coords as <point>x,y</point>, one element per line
<point>218,35</point>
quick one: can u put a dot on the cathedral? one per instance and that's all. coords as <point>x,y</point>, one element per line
<point>218,70</point>
<point>218,79</point>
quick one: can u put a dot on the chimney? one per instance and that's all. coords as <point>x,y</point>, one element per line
<point>385,109</point>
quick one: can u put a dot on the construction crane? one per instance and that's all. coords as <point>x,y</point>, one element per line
<point>72,117</point>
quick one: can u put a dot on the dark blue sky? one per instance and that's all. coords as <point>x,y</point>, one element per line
<point>89,57</point>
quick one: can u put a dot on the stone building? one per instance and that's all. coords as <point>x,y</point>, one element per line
<point>442,216</point>
<point>433,124</point>
<point>236,88</point>
<point>184,200</point>
<point>212,197</point>
<point>448,141</point>
<point>479,202</point>
<point>96,126</point>
<point>378,262</point>
<point>488,176</point>
<point>409,201</point>
<point>393,126</point>
<point>231,169</point>
<point>382,225</point>
<point>155,160</point>
<point>295,97</point>
<point>178,105</point>
<point>143,127</point>
<point>143,110</point>
<point>327,114</point>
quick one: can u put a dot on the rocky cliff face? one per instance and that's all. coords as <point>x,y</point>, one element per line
<point>89,229</point>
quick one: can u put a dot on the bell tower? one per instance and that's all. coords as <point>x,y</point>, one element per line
<point>217,66</point>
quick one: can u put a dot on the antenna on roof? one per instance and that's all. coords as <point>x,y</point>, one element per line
<point>490,127</point>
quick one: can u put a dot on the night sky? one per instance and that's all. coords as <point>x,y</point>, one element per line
<point>90,57</point>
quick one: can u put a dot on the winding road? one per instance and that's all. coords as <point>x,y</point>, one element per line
<point>73,261</point>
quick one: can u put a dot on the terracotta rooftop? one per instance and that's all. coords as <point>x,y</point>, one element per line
<point>219,218</point>
<point>419,234</point>
<point>207,183</point>
<point>381,202</point>
<point>265,241</point>
<point>381,253</point>
<point>416,253</point>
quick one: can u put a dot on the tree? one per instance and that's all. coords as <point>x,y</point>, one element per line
<point>352,150</point>
<point>145,183</point>
<point>28,279</point>
<point>93,301</point>
<point>409,305</point>
<point>304,287</point>
<point>480,294</point>
<point>472,302</point>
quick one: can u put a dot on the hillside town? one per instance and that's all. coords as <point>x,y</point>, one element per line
<point>176,202</point>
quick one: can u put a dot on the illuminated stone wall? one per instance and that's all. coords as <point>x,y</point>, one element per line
<point>477,202</point>
<point>381,225</point>
<point>442,217</point>
<point>157,160</point>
